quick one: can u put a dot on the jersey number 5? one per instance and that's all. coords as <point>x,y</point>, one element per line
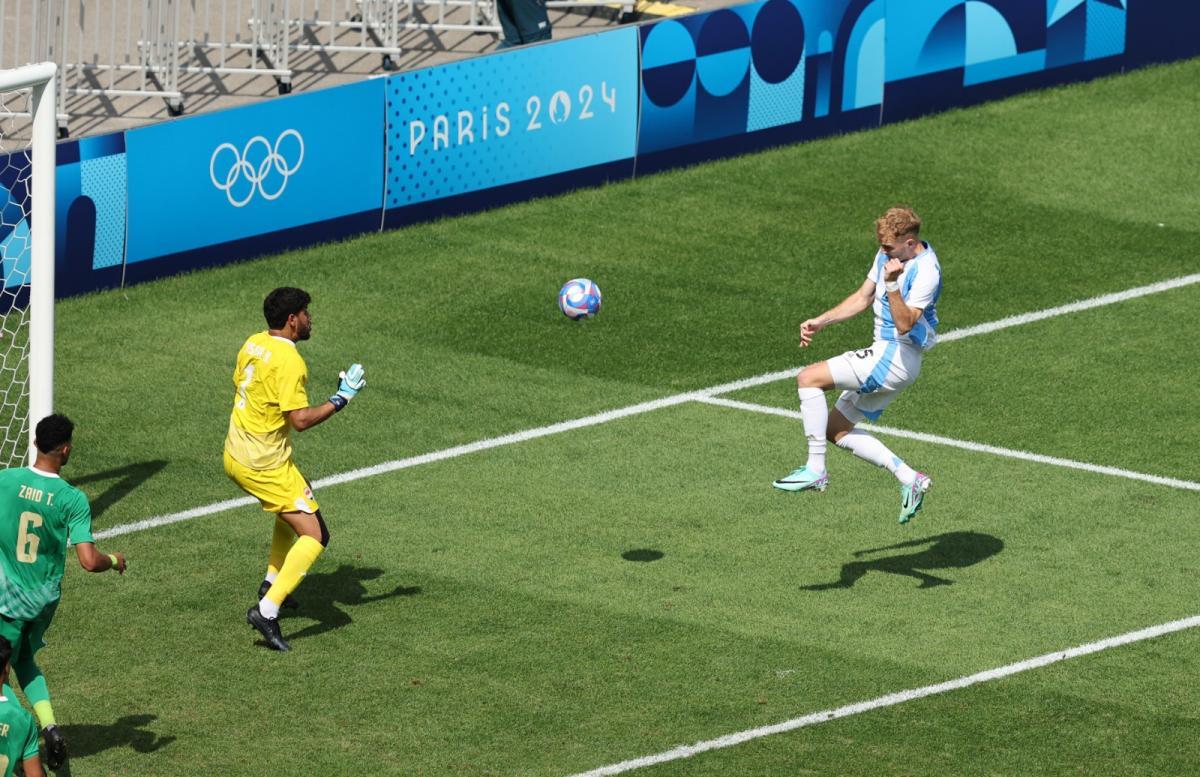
<point>27,541</point>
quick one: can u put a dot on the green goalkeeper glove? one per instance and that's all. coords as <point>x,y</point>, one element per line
<point>352,381</point>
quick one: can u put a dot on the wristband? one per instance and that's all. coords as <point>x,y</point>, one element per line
<point>892,286</point>
<point>113,559</point>
<point>338,402</point>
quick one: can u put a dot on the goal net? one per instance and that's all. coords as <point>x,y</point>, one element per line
<point>27,138</point>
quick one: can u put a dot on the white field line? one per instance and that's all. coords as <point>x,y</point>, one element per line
<point>892,699</point>
<point>644,407</point>
<point>1074,307</point>
<point>971,446</point>
<point>414,461</point>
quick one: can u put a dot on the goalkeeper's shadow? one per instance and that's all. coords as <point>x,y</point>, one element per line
<point>323,595</point>
<point>127,479</point>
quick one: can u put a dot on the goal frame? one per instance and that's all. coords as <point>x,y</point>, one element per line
<point>42,80</point>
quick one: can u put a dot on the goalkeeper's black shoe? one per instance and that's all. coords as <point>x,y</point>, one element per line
<point>268,627</point>
<point>56,747</point>
<point>288,602</point>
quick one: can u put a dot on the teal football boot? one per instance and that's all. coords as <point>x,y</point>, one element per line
<point>913,496</point>
<point>803,479</point>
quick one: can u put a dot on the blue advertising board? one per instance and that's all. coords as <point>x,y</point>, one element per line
<point>90,213</point>
<point>308,167</point>
<point>778,71</point>
<point>522,115</point>
<point>943,53</point>
<point>755,75</point>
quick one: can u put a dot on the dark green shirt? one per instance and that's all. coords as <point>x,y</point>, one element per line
<point>39,514</point>
<point>18,735</point>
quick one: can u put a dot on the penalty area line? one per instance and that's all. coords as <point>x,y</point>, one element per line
<point>892,699</point>
<point>975,447</point>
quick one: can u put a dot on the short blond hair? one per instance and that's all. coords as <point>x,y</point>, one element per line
<point>897,223</point>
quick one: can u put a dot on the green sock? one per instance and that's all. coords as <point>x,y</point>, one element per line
<point>33,683</point>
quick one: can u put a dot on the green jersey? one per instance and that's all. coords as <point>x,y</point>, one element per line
<point>39,513</point>
<point>18,735</point>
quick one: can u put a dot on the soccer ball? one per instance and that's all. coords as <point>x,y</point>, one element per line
<point>579,298</point>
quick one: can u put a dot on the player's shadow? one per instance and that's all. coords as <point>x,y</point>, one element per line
<point>127,478</point>
<point>952,550</point>
<point>130,731</point>
<point>321,594</point>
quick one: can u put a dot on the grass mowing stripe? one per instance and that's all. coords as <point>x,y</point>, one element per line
<point>703,394</point>
<point>976,447</point>
<point>900,697</point>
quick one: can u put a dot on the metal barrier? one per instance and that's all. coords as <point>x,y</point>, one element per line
<point>101,55</point>
<point>142,48</point>
<point>251,38</point>
<point>96,48</point>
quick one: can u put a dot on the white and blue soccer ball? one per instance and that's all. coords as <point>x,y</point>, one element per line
<point>579,298</point>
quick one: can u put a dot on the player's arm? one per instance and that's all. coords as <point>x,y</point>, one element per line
<point>32,767</point>
<point>350,383</point>
<point>848,308</point>
<point>93,560</point>
<point>308,417</point>
<point>903,315</point>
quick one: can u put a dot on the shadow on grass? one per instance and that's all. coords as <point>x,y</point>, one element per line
<point>128,478</point>
<point>130,731</point>
<point>320,594</point>
<point>952,550</point>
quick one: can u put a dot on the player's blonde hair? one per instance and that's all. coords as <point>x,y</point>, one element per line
<point>896,224</point>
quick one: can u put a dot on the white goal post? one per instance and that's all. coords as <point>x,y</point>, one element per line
<point>39,83</point>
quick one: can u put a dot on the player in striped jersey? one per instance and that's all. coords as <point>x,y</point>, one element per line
<point>902,288</point>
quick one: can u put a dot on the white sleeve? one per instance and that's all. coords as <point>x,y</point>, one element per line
<point>924,287</point>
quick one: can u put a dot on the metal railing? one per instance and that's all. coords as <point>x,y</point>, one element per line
<point>164,49</point>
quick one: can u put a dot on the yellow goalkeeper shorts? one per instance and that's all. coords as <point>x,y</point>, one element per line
<point>280,490</point>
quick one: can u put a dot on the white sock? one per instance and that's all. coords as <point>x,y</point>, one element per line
<point>869,448</point>
<point>905,474</point>
<point>270,578</point>
<point>268,608</point>
<point>815,414</point>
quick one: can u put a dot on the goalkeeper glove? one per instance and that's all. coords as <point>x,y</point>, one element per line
<point>352,382</point>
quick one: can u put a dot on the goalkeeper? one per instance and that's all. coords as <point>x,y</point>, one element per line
<point>269,400</point>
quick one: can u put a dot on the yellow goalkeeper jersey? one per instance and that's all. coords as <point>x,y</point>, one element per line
<point>269,380</point>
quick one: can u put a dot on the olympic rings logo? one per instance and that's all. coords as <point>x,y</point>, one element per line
<point>268,176</point>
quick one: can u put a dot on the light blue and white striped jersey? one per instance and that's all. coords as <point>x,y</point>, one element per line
<point>920,286</point>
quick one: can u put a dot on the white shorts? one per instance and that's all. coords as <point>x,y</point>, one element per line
<point>872,377</point>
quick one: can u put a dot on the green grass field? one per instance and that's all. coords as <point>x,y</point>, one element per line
<point>481,614</point>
